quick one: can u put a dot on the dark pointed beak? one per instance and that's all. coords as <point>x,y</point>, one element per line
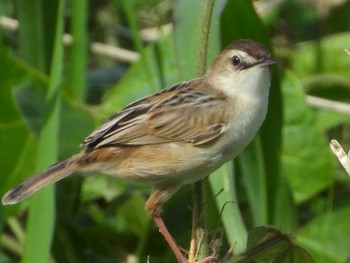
<point>267,61</point>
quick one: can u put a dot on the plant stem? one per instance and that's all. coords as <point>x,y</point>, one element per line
<point>79,49</point>
<point>199,244</point>
<point>204,36</point>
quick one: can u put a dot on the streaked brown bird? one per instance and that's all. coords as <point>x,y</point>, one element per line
<point>176,136</point>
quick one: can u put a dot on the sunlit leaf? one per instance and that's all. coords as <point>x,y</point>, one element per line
<point>269,245</point>
<point>327,236</point>
<point>306,159</point>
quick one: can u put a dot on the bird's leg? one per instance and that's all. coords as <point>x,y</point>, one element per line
<point>153,205</point>
<point>171,242</point>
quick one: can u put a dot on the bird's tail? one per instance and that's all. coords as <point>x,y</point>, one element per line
<point>35,183</point>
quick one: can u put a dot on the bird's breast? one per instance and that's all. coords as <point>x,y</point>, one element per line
<point>246,119</point>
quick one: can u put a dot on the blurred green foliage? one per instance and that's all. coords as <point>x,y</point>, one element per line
<point>286,178</point>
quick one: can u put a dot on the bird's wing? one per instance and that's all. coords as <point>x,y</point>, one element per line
<point>186,112</point>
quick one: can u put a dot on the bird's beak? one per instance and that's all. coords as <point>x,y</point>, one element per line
<point>267,61</point>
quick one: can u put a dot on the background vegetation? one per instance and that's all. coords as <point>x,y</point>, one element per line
<point>53,95</point>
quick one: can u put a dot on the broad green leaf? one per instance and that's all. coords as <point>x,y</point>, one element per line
<point>270,245</point>
<point>15,136</point>
<point>306,159</point>
<point>327,236</point>
<point>323,56</point>
<point>41,216</point>
<point>30,100</point>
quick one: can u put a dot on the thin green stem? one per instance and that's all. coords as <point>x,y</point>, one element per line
<point>199,242</point>
<point>204,36</point>
<point>79,49</point>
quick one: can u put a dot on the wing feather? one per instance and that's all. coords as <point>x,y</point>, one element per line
<point>182,113</point>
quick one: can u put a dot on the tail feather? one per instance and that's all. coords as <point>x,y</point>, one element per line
<point>51,175</point>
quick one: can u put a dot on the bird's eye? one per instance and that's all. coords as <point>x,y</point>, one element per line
<point>236,60</point>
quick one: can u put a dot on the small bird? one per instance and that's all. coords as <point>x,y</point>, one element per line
<point>178,135</point>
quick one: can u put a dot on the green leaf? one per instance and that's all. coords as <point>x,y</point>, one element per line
<point>323,56</point>
<point>40,224</point>
<point>223,181</point>
<point>269,245</point>
<point>327,236</point>
<point>306,159</point>
<point>14,133</point>
<point>30,101</point>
